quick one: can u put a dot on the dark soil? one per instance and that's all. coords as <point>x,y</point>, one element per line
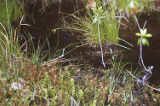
<point>42,24</point>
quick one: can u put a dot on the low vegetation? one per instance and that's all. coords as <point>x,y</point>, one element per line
<point>28,78</point>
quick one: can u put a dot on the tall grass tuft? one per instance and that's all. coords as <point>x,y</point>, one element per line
<point>14,11</point>
<point>109,26</point>
<point>9,36</point>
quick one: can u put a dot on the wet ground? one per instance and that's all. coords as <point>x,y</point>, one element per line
<point>43,22</point>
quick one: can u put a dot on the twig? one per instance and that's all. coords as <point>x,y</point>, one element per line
<point>144,24</point>
<point>137,22</point>
<point>73,102</point>
<point>59,56</point>
<point>153,88</point>
<point>140,81</point>
<point>22,21</point>
<point>101,47</point>
<point>123,17</point>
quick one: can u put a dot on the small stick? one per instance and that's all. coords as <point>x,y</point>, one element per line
<point>137,22</point>
<point>141,81</point>
<point>59,56</point>
<point>100,43</point>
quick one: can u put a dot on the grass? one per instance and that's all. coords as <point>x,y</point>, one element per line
<point>109,26</point>
<point>27,79</point>
<point>14,11</point>
<point>109,32</point>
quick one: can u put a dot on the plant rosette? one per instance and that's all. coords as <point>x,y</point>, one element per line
<point>143,37</point>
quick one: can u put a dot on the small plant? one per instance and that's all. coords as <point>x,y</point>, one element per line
<point>143,41</point>
<point>98,15</point>
<point>87,24</point>
<point>143,37</point>
<point>99,26</point>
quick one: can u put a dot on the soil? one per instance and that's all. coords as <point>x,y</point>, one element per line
<point>42,24</point>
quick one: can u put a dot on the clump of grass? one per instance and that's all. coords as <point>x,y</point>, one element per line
<point>109,26</point>
<point>14,11</point>
<point>85,25</point>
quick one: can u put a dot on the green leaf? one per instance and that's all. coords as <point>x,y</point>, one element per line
<point>148,35</point>
<point>99,21</point>
<point>139,41</point>
<point>145,42</point>
<point>54,30</point>
<point>94,21</point>
<point>143,31</point>
<point>93,9</point>
<point>102,16</point>
<point>138,34</point>
<point>100,10</point>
